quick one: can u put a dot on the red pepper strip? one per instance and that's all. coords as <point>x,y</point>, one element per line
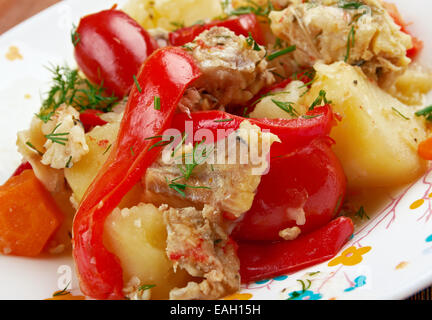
<point>165,75</point>
<point>240,25</point>
<point>260,260</point>
<point>23,166</point>
<point>292,132</point>
<point>90,119</point>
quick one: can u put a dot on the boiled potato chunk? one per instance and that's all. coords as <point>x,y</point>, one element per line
<point>83,172</point>
<point>137,236</point>
<point>378,136</point>
<point>291,95</point>
<point>169,14</point>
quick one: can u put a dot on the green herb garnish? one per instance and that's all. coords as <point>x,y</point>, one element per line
<point>252,43</point>
<point>350,43</point>
<point>426,112</point>
<point>70,89</point>
<point>223,120</point>
<point>34,148</point>
<point>287,107</point>
<point>282,52</point>
<point>399,113</point>
<point>319,100</point>
<point>157,103</point>
<point>57,137</point>
<point>146,287</point>
<point>350,5</point>
<point>137,84</point>
<point>75,37</point>
<point>361,213</point>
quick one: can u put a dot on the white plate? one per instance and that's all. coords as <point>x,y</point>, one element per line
<point>397,265</point>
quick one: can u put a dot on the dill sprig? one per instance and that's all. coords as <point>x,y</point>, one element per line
<point>180,187</point>
<point>350,5</point>
<point>69,88</point>
<point>146,287</point>
<point>282,52</point>
<point>34,148</point>
<point>75,37</point>
<point>361,213</point>
<point>399,113</point>
<point>57,137</point>
<point>287,107</point>
<point>253,7</point>
<point>350,43</point>
<point>426,112</point>
<point>319,100</point>
<point>252,43</point>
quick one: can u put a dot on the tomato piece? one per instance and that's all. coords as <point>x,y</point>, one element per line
<point>110,47</point>
<point>90,118</point>
<point>241,25</point>
<point>309,179</point>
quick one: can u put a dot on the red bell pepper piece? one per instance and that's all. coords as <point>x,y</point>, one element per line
<point>265,260</point>
<point>90,118</point>
<point>240,25</point>
<point>310,179</point>
<point>110,47</point>
<point>292,132</point>
<point>165,75</point>
<point>23,166</point>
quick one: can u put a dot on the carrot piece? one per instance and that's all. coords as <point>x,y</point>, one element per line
<point>28,215</point>
<point>425,149</point>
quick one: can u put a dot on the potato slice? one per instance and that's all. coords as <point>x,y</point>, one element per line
<point>137,236</point>
<point>378,136</point>
<point>83,172</point>
<point>170,14</point>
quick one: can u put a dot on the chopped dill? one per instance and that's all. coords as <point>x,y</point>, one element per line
<point>146,287</point>
<point>157,103</point>
<point>59,138</point>
<point>70,89</point>
<point>107,149</point>
<point>34,148</point>
<point>75,37</point>
<point>361,213</point>
<point>319,100</point>
<point>137,84</point>
<point>350,43</point>
<point>399,113</point>
<point>426,112</point>
<point>252,43</point>
<point>282,52</point>
<point>287,107</point>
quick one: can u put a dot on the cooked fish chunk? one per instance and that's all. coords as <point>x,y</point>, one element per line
<point>234,68</point>
<point>66,143</point>
<point>198,242</point>
<point>229,185</point>
<point>331,30</point>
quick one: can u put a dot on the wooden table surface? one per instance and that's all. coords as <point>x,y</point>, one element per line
<point>13,12</point>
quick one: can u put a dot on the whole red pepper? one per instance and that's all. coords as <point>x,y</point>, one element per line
<point>292,132</point>
<point>265,260</point>
<point>110,47</point>
<point>241,25</point>
<point>309,182</point>
<point>163,77</point>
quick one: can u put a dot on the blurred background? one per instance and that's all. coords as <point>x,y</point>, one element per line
<point>13,12</point>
